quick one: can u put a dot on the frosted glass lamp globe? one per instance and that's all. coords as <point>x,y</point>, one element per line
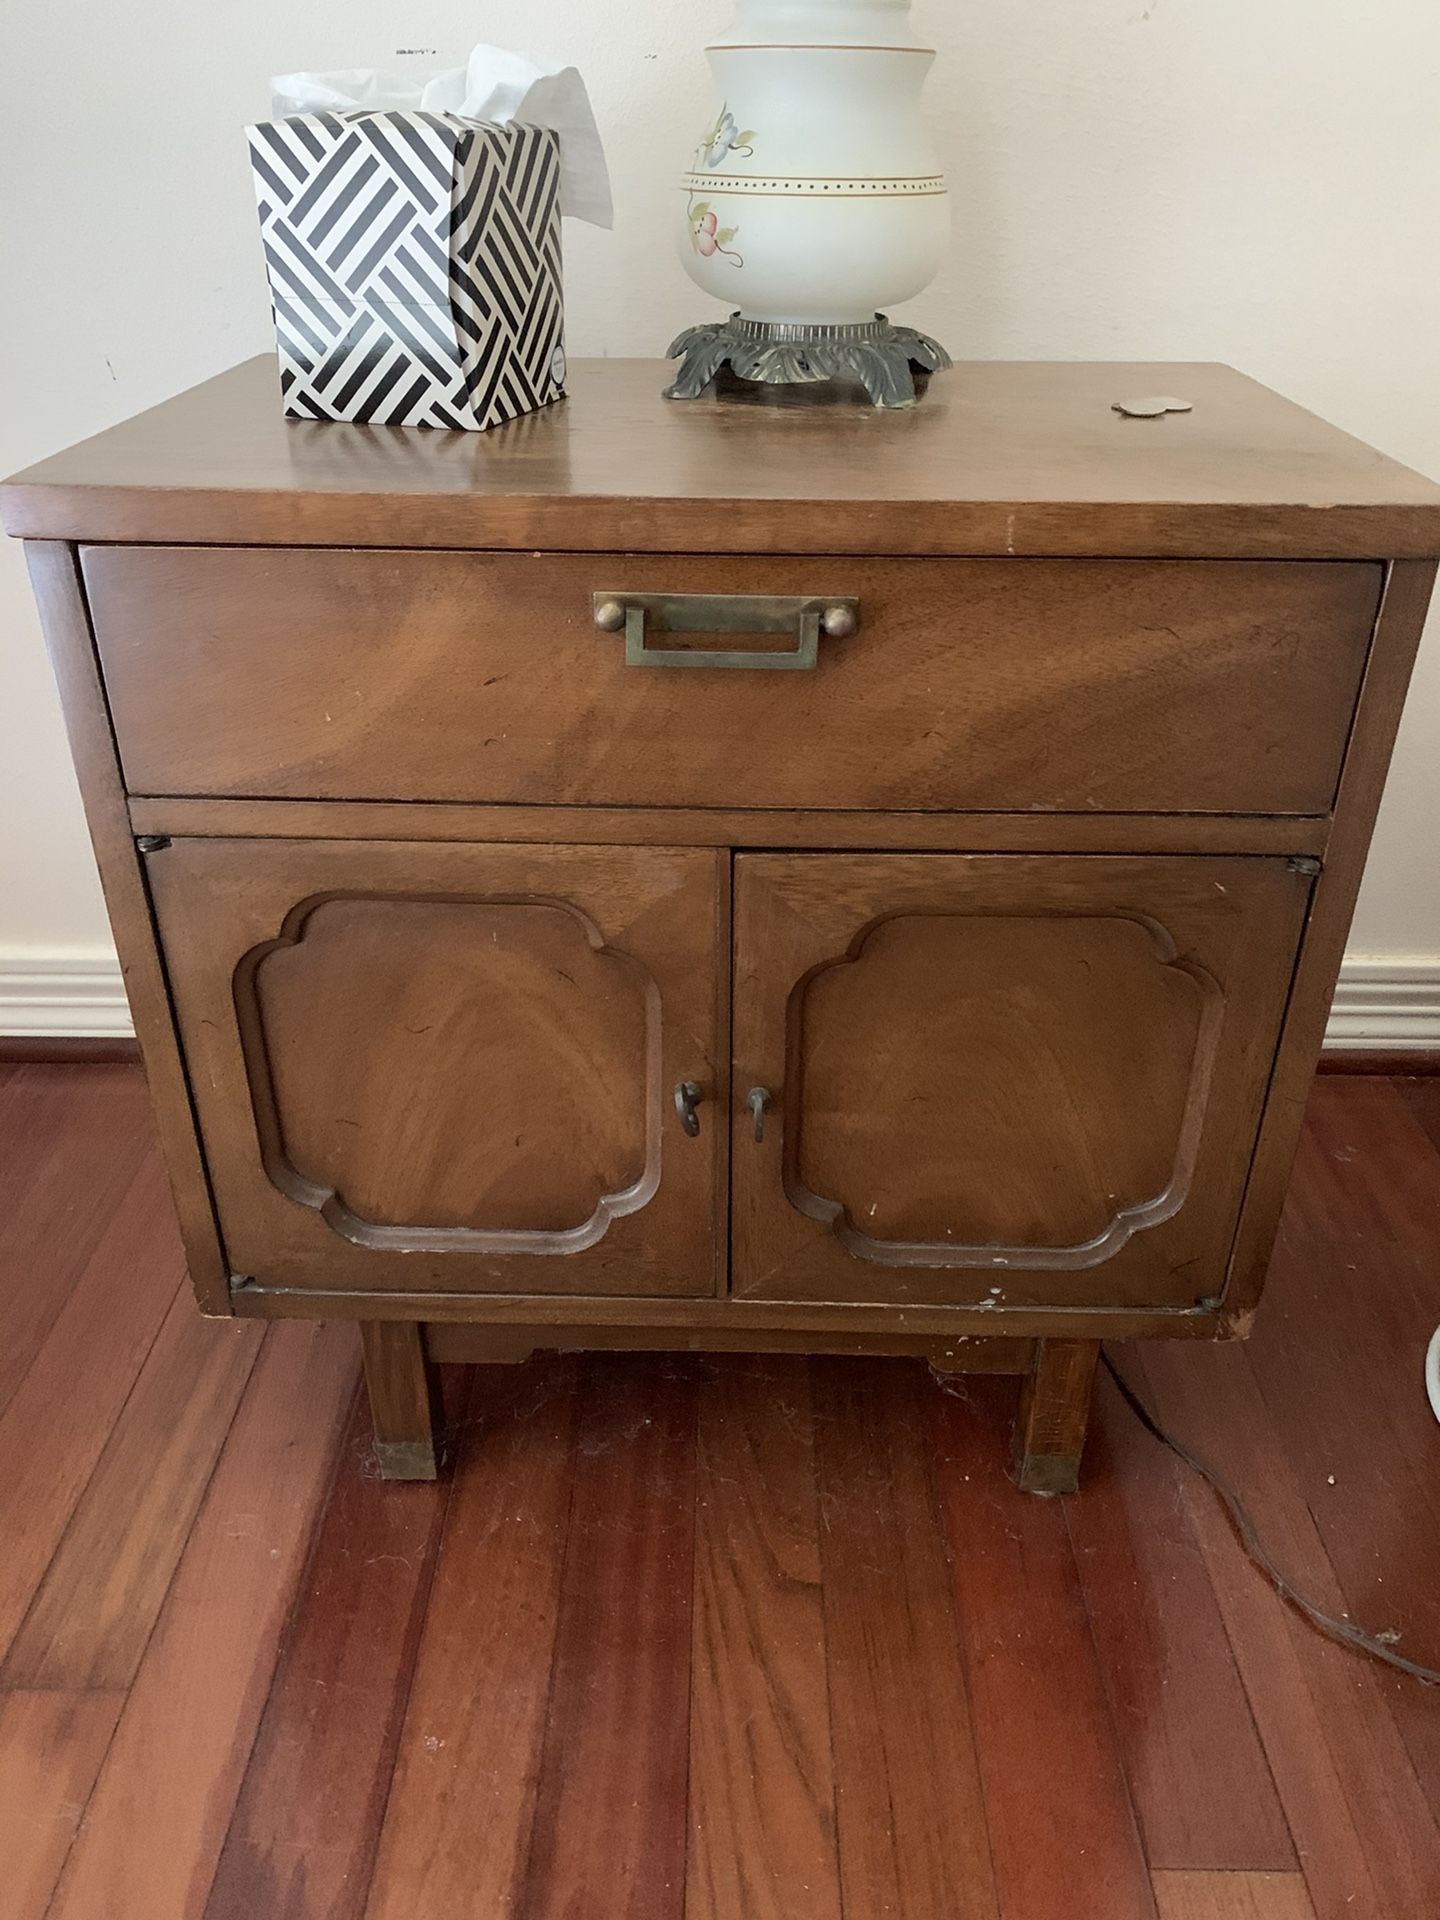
<point>813,197</point>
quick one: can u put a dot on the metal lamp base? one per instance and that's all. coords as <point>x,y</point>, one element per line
<point>881,357</point>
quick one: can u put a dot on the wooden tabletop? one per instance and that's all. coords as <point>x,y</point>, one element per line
<point>999,458</point>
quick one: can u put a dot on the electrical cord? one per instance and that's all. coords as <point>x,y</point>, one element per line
<point>1378,1646</point>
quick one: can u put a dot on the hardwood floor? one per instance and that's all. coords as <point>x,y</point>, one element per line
<point>703,1638</point>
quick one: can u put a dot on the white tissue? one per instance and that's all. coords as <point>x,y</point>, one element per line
<point>495,86</point>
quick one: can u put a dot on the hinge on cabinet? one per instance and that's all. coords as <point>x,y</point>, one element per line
<point>1303,863</point>
<point>151,842</point>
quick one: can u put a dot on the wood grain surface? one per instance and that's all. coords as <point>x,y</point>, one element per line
<point>762,1768</point>
<point>971,470</point>
<point>1054,1415</point>
<point>1199,1779</point>
<point>64,619</point>
<point>302,1836</point>
<point>74,1148</point>
<point>469,1754</point>
<point>94,1612</point>
<point>1232,1896</point>
<point>997,1079</point>
<point>361,1117</point>
<point>1360,1817</point>
<point>1036,1686</point>
<point>1403,612</point>
<point>62,1413</point>
<point>910,1809</point>
<point>402,1388</point>
<point>175,1764</point>
<point>608,1833</point>
<point>971,684</point>
<point>52,1746</point>
<point>1366,1464</point>
<point>717,1637</point>
<point>460,1060</point>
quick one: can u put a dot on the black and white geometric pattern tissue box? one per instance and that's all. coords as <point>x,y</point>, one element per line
<point>414,264</point>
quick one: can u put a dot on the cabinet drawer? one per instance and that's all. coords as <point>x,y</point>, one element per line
<point>1120,686</point>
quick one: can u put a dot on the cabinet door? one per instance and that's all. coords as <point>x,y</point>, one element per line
<point>450,1066</point>
<point>1001,1080</point>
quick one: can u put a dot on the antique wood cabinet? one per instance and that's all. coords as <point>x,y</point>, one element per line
<point>739,874</point>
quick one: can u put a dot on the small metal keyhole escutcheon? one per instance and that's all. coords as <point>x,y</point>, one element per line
<point>757,1100</point>
<point>687,1098</point>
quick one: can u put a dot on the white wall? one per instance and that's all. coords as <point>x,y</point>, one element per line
<point>1197,179</point>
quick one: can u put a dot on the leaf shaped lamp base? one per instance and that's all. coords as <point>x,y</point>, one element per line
<point>880,357</point>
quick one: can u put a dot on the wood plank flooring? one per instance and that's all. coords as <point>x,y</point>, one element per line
<point>703,1638</point>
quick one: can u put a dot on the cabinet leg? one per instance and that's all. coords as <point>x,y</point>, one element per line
<point>404,1402</point>
<point>1054,1413</point>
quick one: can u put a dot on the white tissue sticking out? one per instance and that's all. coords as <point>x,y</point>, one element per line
<point>495,86</point>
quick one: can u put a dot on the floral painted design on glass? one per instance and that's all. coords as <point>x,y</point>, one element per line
<point>723,139</point>
<point>708,237</point>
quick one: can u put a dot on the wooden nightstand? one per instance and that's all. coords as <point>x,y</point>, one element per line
<point>739,874</point>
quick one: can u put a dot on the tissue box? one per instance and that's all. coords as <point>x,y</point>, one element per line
<point>414,263</point>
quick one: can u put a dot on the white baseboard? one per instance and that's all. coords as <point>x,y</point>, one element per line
<point>1386,1006</point>
<point>1390,1006</point>
<point>66,996</point>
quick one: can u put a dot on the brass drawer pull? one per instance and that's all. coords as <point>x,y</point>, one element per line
<point>687,1100</point>
<point>837,616</point>
<point>757,1100</point>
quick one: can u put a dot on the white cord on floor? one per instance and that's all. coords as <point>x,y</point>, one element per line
<point>1432,1373</point>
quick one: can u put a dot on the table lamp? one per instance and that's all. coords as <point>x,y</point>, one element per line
<point>813,198</point>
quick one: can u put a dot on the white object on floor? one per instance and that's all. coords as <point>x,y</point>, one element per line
<point>1432,1373</point>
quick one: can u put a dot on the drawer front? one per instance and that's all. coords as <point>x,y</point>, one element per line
<point>1075,686</point>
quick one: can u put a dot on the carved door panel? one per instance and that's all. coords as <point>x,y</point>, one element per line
<point>999,1079</point>
<point>451,1066</point>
